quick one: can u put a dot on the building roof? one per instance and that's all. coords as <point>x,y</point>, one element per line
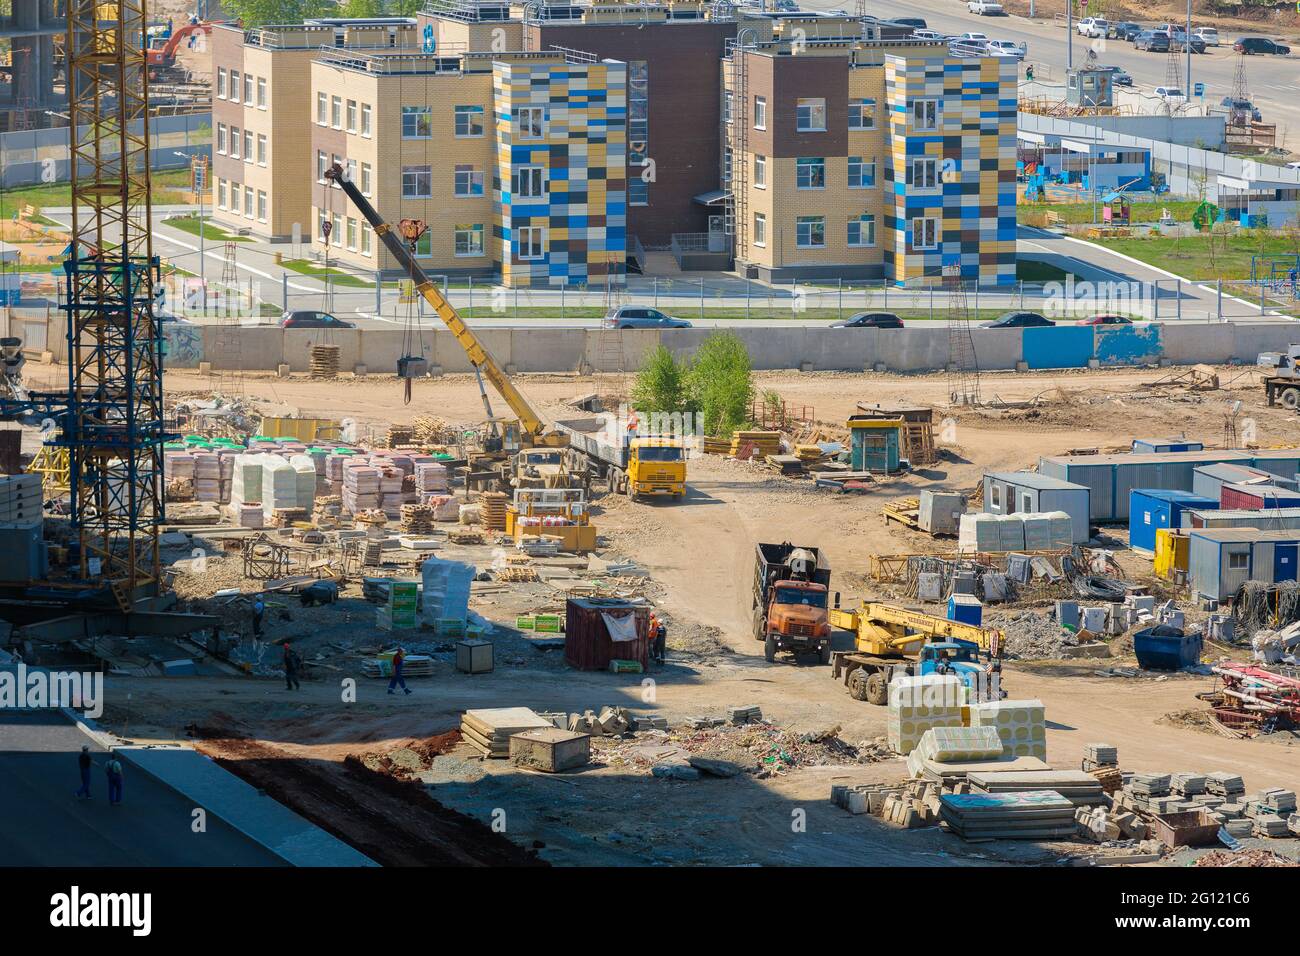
<point>1237,474</point>
<point>1169,441</point>
<point>1032,479</point>
<point>1263,515</point>
<point>1265,491</point>
<point>1244,535</point>
<point>1152,458</point>
<point>1173,494</point>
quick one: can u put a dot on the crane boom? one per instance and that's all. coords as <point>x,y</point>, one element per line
<point>530,422</point>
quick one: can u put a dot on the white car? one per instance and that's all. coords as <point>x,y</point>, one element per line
<point>1007,48</point>
<point>927,35</point>
<point>973,38</point>
<point>1093,27</point>
<point>1208,34</point>
<point>985,8</point>
<point>1171,93</point>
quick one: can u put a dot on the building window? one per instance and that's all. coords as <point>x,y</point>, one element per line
<point>760,112</point>
<point>925,173</point>
<point>234,197</point>
<point>810,232</point>
<point>726,164</point>
<point>221,82</point>
<point>925,233</point>
<point>352,234</point>
<point>530,121</point>
<point>235,140</point>
<point>352,116</point>
<point>638,192</point>
<point>638,105</point>
<point>261,206</point>
<point>530,243</point>
<point>760,229</point>
<point>261,149</point>
<point>469,181</point>
<point>248,89</point>
<point>862,114</point>
<point>925,114</point>
<point>335,160</point>
<point>810,172</point>
<point>810,115</point>
<point>221,194</point>
<point>417,182</point>
<point>336,112</point>
<point>530,182</point>
<point>221,138</point>
<point>1238,561</point>
<point>366,232</point>
<point>862,175</point>
<point>248,145</point>
<point>336,232</point>
<point>727,99</point>
<point>417,122</point>
<point>862,230</point>
<point>350,168</point>
<point>322,109</point>
<point>365,119</point>
<point>760,171</point>
<point>469,240</point>
<point>236,87</point>
<point>261,92</point>
<point>365,179</point>
<point>469,121</point>
<point>320,166</point>
<point>248,202</point>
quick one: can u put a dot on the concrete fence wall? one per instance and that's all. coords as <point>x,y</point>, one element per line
<point>916,349</point>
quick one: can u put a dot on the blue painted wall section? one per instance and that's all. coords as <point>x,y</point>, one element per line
<point>1060,347</point>
<point>1128,345</point>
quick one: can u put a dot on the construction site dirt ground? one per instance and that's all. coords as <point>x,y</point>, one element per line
<point>699,556</point>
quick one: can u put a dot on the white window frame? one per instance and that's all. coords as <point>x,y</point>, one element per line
<point>336,112</point>
<point>322,165</point>
<point>920,223</point>
<point>925,114</point>
<point>809,221</point>
<point>248,202</point>
<point>417,113</point>
<point>365,120</point>
<point>760,112</point>
<point>322,109</point>
<point>261,93</point>
<point>261,205</point>
<point>925,172</point>
<point>248,89</point>
<point>248,146</point>
<point>760,230</point>
<point>809,162</point>
<point>471,229</point>
<point>470,113</point>
<point>236,87</point>
<point>236,140</point>
<point>728,98</point>
<point>867,221</point>
<point>530,122</point>
<point>336,231</point>
<point>815,106</point>
<point>261,149</point>
<point>418,171</point>
<point>221,194</point>
<point>475,177</point>
<point>1235,556</point>
<point>351,227</point>
<point>536,235</point>
<point>221,82</point>
<point>364,183</point>
<point>534,178</point>
<point>760,171</point>
<point>863,165</point>
<point>350,116</point>
<point>221,139</point>
<point>366,233</point>
<point>863,109</point>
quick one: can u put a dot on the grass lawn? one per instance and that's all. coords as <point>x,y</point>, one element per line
<point>211,231</point>
<point>168,188</point>
<point>337,276</point>
<point>1076,213</point>
<point>1189,256</point>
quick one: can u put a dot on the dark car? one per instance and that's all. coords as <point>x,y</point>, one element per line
<point>1260,45</point>
<point>1179,41</point>
<point>916,23</point>
<point>1152,42</point>
<point>307,319</point>
<point>1124,30</point>
<point>870,320</point>
<point>1121,77</point>
<point>1238,107</point>
<point>636,317</point>
<point>1020,320</point>
<point>1107,318</point>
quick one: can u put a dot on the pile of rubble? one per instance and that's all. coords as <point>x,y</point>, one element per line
<point>1031,635</point>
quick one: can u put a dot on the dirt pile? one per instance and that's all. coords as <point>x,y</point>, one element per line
<point>1031,636</point>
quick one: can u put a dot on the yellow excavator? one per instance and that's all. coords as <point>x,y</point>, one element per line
<point>889,640</point>
<point>527,431</point>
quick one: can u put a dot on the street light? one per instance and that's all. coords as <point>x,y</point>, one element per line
<point>203,282</point>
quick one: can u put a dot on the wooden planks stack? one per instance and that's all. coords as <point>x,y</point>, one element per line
<point>488,731</point>
<point>417,519</point>
<point>715,446</point>
<point>325,361</point>
<point>759,444</point>
<point>492,509</point>
<point>430,430</point>
<point>399,435</point>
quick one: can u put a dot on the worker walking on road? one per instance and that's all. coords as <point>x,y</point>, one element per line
<point>259,612</point>
<point>659,639</point>
<point>291,664</point>
<point>399,662</point>
<point>83,763</point>
<point>113,769</point>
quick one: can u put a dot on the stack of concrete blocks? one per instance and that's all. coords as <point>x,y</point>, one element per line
<point>304,470</point>
<point>360,487</point>
<point>1045,531</point>
<point>430,480</point>
<point>863,798</point>
<point>611,721</point>
<point>1020,725</point>
<point>1103,825</point>
<point>939,512</point>
<point>226,469</point>
<point>23,553</point>
<point>446,592</point>
<point>279,485</point>
<point>246,481</point>
<point>914,805</point>
<point>1139,610</point>
<point>746,714</point>
<point>207,476</point>
<point>918,704</point>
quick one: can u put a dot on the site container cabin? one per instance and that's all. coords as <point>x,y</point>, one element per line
<point>1220,560</point>
<point>598,630</point>
<point>1270,519</point>
<point>1284,463</point>
<point>1151,509</point>
<point>1255,497</point>
<point>1163,445</point>
<point>1110,478</point>
<point>1027,492</point>
<point>1208,480</point>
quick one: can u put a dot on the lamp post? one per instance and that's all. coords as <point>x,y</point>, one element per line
<point>198,191</point>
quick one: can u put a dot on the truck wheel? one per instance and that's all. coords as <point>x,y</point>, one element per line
<point>769,649</point>
<point>824,655</point>
<point>858,685</point>
<point>1291,398</point>
<point>877,689</point>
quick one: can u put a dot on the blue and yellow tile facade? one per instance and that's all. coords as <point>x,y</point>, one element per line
<point>567,224</point>
<point>968,216</point>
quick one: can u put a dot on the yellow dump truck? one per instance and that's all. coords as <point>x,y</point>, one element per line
<point>629,464</point>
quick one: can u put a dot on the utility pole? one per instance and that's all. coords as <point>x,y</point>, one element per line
<point>1187,98</point>
<point>199,189</point>
<point>1069,34</point>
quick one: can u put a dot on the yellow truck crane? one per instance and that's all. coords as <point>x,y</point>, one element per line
<point>889,639</point>
<point>529,431</point>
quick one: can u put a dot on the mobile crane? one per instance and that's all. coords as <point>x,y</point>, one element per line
<point>890,639</point>
<point>530,425</point>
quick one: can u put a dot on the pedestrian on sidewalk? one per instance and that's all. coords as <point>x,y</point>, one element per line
<point>399,662</point>
<point>292,662</point>
<point>83,764</point>
<point>113,769</point>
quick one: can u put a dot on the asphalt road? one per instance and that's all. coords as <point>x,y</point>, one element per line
<point>45,825</point>
<point>1273,82</point>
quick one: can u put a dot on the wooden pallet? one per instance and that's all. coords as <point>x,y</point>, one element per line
<point>906,511</point>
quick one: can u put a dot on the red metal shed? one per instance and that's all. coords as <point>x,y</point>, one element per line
<point>1257,497</point>
<point>589,644</point>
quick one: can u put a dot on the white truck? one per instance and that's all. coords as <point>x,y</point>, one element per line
<point>1093,27</point>
<point>1282,378</point>
<point>985,8</point>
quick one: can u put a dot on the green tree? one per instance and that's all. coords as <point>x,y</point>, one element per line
<point>721,383</point>
<point>661,386</point>
<point>257,13</point>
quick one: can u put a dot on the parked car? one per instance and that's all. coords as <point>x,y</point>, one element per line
<point>1171,93</point>
<point>1209,35</point>
<point>1008,48</point>
<point>1178,39</point>
<point>1120,77</point>
<point>870,320</point>
<point>635,317</point>
<point>1151,42</point>
<point>985,8</point>
<point>308,319</point>
<point>927,35</point>
<point>1243,107</point>
<point>1020,320</point>
<point>973,38</point>
<point>1107,318</point>
<point>1124,30</point>
<point>1092,27</point>
<point>1260,45</point>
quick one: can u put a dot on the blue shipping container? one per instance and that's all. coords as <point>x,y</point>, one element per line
<point>1150,509</point>
<point>965,608</point>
